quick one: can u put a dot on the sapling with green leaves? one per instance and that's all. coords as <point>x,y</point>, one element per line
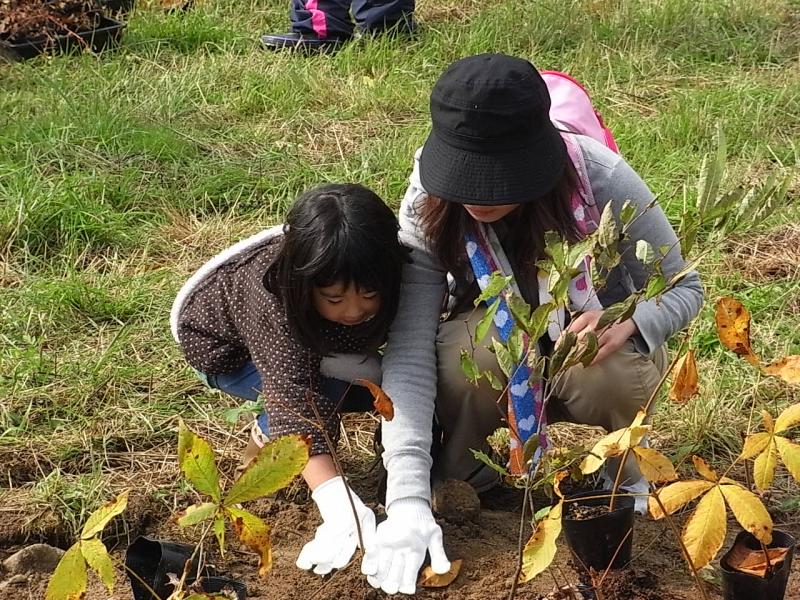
<point>272,469</point>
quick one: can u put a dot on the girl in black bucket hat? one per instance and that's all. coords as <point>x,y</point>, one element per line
<point>495,163</point>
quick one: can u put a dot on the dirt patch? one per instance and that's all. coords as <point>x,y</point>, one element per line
<point>772,256</point>
<point>430,11</point>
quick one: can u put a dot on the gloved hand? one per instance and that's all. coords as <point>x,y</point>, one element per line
<point>337,538</point>
<point>392,562</point>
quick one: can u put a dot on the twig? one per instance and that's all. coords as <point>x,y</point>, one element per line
<point>338,465</point>
<point>518,570</point>
<point>701,588</point>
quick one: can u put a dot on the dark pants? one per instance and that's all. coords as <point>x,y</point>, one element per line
<point>331,18</point>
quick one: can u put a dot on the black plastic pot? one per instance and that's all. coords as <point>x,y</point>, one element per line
<point>596,540</point>
<point>150,561</point>
<point>105,35</point>
<point>743,586</point>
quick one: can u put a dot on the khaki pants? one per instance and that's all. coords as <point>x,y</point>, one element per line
<point>608,394</point>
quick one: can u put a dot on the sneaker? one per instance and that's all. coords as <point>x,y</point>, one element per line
<point>307,43</point>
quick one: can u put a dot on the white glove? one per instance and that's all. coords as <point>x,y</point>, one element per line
<point>337,538</point>
<point>392,562</point>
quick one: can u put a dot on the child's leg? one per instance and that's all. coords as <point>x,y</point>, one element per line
<point>321,18</point>
<point>379,15</point>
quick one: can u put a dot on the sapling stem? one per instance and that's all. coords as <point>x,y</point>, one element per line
<point>677,535</point>
<point>768,572</point>
<point>339,470</point>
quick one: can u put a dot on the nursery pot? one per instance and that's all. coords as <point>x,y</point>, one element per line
<point>150,561</point>
<point>744,586</point>
<point>595,541</point>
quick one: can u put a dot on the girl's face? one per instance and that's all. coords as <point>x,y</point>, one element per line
<point>346,304</point>
<point>489,214</point>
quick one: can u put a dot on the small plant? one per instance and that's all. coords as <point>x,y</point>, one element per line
<point>70,578</point>
<point>276,464</point>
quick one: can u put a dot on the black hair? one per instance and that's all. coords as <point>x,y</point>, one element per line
<point>445,223</point>
<point>337,233</point>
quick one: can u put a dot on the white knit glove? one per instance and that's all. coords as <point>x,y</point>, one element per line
<point>392,562</point>
<point>337,538</point>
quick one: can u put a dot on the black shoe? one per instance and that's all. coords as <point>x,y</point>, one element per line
<point>302,42</point>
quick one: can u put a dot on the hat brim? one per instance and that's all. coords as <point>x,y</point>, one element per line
<point>491,178</point>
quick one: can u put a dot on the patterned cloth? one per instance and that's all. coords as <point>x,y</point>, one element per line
<point>486,255</point>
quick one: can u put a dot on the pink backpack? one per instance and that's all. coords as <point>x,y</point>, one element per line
<point>571,107</point>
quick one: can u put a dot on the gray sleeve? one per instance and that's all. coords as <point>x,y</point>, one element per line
<point>661,317</point>
<point>409,365</point>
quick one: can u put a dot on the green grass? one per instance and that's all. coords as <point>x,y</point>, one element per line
<point>121,174</point>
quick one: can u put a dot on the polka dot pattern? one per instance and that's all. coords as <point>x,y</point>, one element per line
<point>230,318</point>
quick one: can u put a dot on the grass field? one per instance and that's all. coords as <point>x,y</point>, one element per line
<point>121,174</point>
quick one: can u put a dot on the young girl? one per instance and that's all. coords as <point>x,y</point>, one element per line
<point>292,315</point>
<point>495,168</point>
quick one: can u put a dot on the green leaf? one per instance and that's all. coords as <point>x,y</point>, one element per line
<point>470,368</point>
<point>607,230</point>
<point>645,252</point>
<point>591,346</point>
<point>621,311</point>
<point>482,328</point>
<point>497,283</point>
<point>249,407</point>
<point>515,344</point>
<point>197,513</point>
<point>100,518</point>
<point>554,248</point>
<point>254,534</point>
<point>70,578</point>
<point>540,318</point>
<point>559,287</point>
<point>711,174</point>
<point>219,531</point>
<point>563,346</point>
<point>577,252</point>
<point>493,381</point>
<point>95,553</point>
<point>687,232</point>
<point>541,513</point>
<point>273,468</point>
<point>627,213</point>
<point>484,458</point>
<point>655,286</point>
<point>196,460</point>
<point>520,310</point>
<point>529,448</point>
<point>504,358</point>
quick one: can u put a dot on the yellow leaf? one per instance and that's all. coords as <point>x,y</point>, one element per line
<point>254,534</point>
<point>614,444</point>
<point>749,511</point>
<point>196,513</point>
<point>656,467</point>
<point>787,368</point>
<point>733,328</point>
<point>429,579</point>
<point>754,444</point>
<point>764,466</point>
<point>788,418</point>
<point>675,495</point>
<point>100,518</point>
<point>273,468</point>
<point>704,469</point>
<point>790,455</point>
<point>95,553</point>
<point>541,548</point>
<point>705,529</point>
<point>69,579</point>
<point>769,423</point>
<point>196,460</point>
<point>684,381</point>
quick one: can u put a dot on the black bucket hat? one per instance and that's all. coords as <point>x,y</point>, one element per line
<point>492,141</point>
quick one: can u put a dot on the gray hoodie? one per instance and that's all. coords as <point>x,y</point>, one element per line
<point>409,364</point>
